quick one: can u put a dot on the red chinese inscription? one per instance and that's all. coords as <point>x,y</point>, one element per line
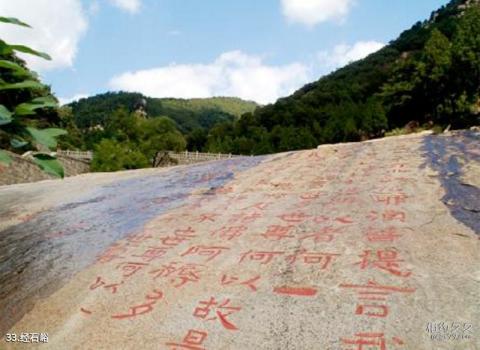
<point>212,310</point>
<point>192,341</point>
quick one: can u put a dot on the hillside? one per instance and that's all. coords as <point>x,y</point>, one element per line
<point>429,75</point>
<point>229,105</point>
<point>188,114</point>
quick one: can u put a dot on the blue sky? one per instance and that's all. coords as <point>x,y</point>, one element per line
<point>254,49</point>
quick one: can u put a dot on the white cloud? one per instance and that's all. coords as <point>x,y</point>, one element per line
<point>312,12</point>
<point>57,29</point>
<point>343,54</point>
<point>132,6</point>
<point>66,100</point>
<point>231,74</point>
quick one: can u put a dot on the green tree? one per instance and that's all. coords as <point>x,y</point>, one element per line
<point>111,155</point>
<point>435,68</point>
<point>466,68</point>
<point>420,83</point>
<point>74,139</point>
<point>159,134</point>
<point>197,140</point>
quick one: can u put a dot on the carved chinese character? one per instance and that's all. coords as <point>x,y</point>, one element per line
<point>210,252</point>
<point>277,232</point>
<point>370,341</point>
<point>212,310</point>
<point>229,232</point>
<point>386,260</point>
<point>192,341</point>
<point>179,274</point>
<point>262,257</point>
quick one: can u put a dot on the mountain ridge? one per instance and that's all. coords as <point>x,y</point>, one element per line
<point>188,114</point>
<point>427,75</point>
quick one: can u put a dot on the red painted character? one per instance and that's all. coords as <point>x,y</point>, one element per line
<point>179,236</point>
<point>310,196</point>
<point>261,256</point>
<point>259,206</point>
<point>112,253</point>
<point>391,215</point>
<point>318,237</point>
<point>386,260</point>
<point>390,198</point>
<point>210,252</point>
<point>207,217</point>
<point>325,234</point>
<point>213,310</point>
<point>229,280</point>
<point>343,199</point>
<point>344,220</point>
<point>372,310</point>
<point>323,259</point>
<point>130,268</point>
<point>138,238</point>
<point>277,232</point>
<point>370,341</point>
<point>373,297</point>
<point>179,274</point>
<point>142,309</point>
<point>245,218</point>
<point>229,232</point>
<point>100,283</point>
<point>388,215</point>
<point>152,253</point>
<point>374,291</point>
<point>388,234</point>
<point>298,217</point>
<point>192,341</point>
<point>321,219</point>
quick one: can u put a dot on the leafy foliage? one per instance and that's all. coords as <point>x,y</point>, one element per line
<point>111,155</point>
<point>25,106</point>
<point>130,142</point>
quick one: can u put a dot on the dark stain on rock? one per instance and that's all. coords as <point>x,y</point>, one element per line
<point>447,156</point>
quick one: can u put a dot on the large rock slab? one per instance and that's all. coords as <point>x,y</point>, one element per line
<point>358,246</point>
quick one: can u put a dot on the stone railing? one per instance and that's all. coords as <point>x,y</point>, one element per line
<point>86,156</point>
<point>169,158</point>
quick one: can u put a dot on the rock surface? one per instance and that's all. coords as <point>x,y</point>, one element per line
<point>355,246</point>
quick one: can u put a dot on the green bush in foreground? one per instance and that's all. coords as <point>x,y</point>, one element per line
<point>25,107</point>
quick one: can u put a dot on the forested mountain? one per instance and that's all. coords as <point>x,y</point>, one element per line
<point>188,114</point>
<point>126,129</point>
<point>430,75</point>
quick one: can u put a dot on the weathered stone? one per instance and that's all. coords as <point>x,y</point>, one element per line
<point>282,252</point>
<point>22,169</point>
